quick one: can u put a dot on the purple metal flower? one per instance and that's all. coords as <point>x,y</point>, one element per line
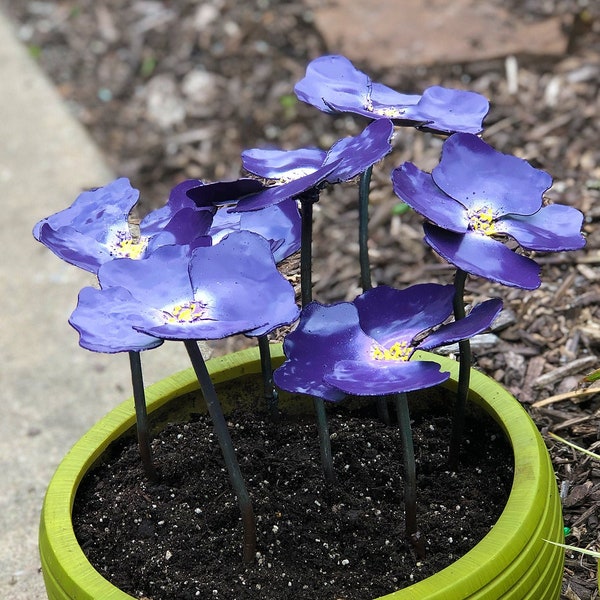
<point>332,84</point>
<point>279,224</point>
<point>299,171</point>
<point>364,347</point>
<point>216,291</point>
<point>475,198</point>
<point>95,228</point>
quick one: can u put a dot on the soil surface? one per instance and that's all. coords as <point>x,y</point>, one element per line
<point>181,538</point>
<point>173,90</point>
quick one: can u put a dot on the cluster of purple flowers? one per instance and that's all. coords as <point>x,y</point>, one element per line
<point>204,265</point>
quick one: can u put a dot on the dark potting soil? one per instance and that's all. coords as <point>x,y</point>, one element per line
<point>181,538</point>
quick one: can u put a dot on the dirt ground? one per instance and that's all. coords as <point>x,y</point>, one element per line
<point>174,90</point>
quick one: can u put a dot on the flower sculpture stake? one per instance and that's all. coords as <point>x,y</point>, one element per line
<point>208,293</point>
<point>204,266</point>
<point>364,348</point>
<point>301,174</point>
<point>475,201</point>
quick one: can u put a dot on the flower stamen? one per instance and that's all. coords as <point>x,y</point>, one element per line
<point>124,245</point>
<point>186,312</point>
<point>482,221</point>
<point>398,351</point>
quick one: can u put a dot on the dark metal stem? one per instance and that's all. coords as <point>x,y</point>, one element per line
<point>464,375</point>
<point>306,251</point>
<point>233,469</point>
<point>306,204</point>
<point>410,476</point>
<point>141,415</point>
<point>266,367</point>
<point>363,229</point>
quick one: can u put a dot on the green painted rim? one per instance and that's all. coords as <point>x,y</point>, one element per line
<point>512,561</point>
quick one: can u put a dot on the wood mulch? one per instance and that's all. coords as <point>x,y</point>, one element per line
<point>173,90</point>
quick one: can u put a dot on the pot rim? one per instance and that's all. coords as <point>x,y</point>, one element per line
<point>511,554</point>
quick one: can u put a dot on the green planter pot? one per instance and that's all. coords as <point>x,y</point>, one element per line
<point>512,561</point>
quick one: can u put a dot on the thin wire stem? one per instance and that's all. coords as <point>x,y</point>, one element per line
<point>410,475</point>
<point>306,205</point>
<point>270,393</point>
<point>233,469</point>
<point>464,375</point>
<point>363,229</point>
<point>141,415</point>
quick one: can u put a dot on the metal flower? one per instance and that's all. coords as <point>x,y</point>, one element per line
<point>210,293</point>
<point>95,228</point>
<point>364,347</point>
<point>299,171</point>
<point>332,84</point>
<point>280,224</point>
<point>477,197</point>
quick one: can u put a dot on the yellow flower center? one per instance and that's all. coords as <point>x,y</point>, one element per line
<point>397,351</point>
<point>482,221</point>
<point>186,312</point>
<point>124,245</point>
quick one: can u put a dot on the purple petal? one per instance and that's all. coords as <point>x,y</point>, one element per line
<point>281,224</point>
<point>481,255</point>
<point>554,228</point>
<point>160,279</point>
<point>282,164</point>
<point>354,155</point>
<point>183,229</point>
<point>379,378</point>
<point>478,176</point>
<point>324,335</point>
<point>241,284</point>
<point>74,247</point>
<point>279,193</point>
<point>447,110</point>
<point>333,81</point>
<point>417,189</point>
<point>79,234</point>
<point>478,320</point>
<point>104,320</point>
<point>385,99</point>
<point>156,220</point>
<point>95,211</point>
<point>389,315</point>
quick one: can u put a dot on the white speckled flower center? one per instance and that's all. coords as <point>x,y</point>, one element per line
<point>296,173</point>
<point>186,312</point>
<point>397,351</point>
<point>482,221</point>
<point>122,244</point>
<point>390,112</point>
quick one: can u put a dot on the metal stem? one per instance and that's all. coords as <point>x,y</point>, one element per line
<point>464,375</point>
<point>141,415</point>
<point>233,469</point>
